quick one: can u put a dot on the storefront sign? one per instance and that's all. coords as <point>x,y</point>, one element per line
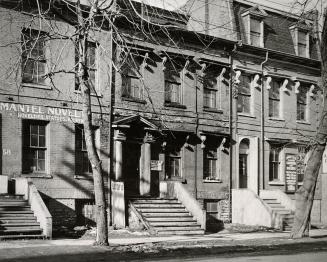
<point>300,166</point>
<point>43,112</point>
<point>156,165</point>
<point>224,211</point>
<point>324,162</point>
<point>290,173</point>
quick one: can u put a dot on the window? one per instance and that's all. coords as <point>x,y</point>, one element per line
<point>211,98</point>
<point>173,162</point>
<point>172,92</point>
<point>274,163</point>
<point>173,86</point>
<point>83,165</point>
<point>210,165</point>
<point>256,34</point>
<point>91,64</point>
<point>302,43</point>
<point>131,86</point>
<point>131,80</point>
<point>274,99</point>
<point>244,95</point>
<point>301,104</point>
<point>34,147</point>
<point>212,211</point>
<point>33,57</point>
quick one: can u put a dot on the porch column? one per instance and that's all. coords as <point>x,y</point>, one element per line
<point>145,176</point>
<point>119,138</point>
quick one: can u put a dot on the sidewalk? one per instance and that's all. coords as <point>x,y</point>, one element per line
<point>170,246</point>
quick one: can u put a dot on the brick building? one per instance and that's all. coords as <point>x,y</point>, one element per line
<point>190,115</point>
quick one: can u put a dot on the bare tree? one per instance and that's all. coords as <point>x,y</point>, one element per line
<point>305,194</point>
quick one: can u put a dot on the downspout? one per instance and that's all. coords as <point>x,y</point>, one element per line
<point>231,61</point>
<point>262,128</point>
<point>196,133</point>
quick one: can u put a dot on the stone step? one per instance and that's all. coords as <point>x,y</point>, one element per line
<point>14,208</point>
<point>162,210</point>
<point>15,213</point>
<point>170,219</point>
<point>19,224</point>
<point>11,197</point>
<point>174,223</point>
<point>181,232</point>
<point>159,205</point>
<point>176,227</point>
<point>166,214</point>
<point>162,201</point>
<point>25,236</point>
<point>4,220</point>
<point>20,230</point>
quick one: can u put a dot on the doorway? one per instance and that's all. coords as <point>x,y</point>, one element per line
<point>243,163</point>
<point>132,154</point>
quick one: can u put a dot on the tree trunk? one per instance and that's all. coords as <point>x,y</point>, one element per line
<point>84,84</point>
<point>305,194</point>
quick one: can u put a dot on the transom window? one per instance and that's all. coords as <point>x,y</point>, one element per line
<point>256,33</point>
<point>274,163</point>
<point>274,99</point>
<point>301,104</point>
<point>34,146</point>
<point>33,57</point>
<point>244,95</point>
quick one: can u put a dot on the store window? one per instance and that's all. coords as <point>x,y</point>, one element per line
<point>244,95</point>
<point>33,57</point>
<point>34,147</point>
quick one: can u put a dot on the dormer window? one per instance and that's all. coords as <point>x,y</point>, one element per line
<point>256,32</point>
<point>254,25</point>
<point>301,38</point>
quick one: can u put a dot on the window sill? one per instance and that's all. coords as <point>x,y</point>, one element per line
<point>213,110</point>
<point>276,183</point>
<point>38,175</point>
<point>276,119</point>
<point>39,86</point>
<point>303,122</point>
<point>219,181</point>
<point>92,94</point>
<point>246,115</point>
<point>175,105</point>
<point>133,99</point>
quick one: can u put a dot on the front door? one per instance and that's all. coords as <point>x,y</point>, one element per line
<point>131,173</point>
<point>243,170</point>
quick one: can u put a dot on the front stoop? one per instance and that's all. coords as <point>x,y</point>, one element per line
<point>286,214</point>
<point>167,216</point>
<point>17,220</point>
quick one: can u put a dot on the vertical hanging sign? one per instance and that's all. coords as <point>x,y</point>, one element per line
<point>290,173</point>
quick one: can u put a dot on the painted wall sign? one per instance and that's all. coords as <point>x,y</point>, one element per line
<point>290,173</point>
<point>6,152</point>
<point>43,112</point>
<point>156,165</point>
